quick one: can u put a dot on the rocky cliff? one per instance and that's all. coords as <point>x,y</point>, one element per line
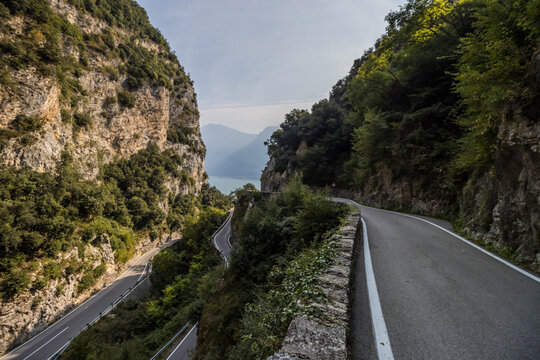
<point>96,83</point>
<point>101,96</point>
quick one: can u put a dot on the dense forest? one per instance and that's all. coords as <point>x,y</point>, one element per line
<point>44,214</point>
<point>438,117</point>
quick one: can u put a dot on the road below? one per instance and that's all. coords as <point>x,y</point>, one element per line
<point>222,239</point>
<point>55,337</point>
<point>222,243</point>
<point>441,297</point>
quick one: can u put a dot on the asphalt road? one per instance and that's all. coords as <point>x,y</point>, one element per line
<point>186,347</point>
<point>48,342</point>
<point>441,297</point>
<point>221,241</point>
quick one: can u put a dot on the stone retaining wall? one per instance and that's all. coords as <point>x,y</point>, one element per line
<point>325,337</point>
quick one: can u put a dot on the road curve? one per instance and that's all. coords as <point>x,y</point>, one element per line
<point>221,240</point>
<point>55,337</point>
<point>441,297</point>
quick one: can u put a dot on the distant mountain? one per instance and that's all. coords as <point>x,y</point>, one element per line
<point>247,162</point>
<point>221,141</point>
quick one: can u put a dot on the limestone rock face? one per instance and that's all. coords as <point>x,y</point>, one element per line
<point>30,313</point>
<point>115,130</point>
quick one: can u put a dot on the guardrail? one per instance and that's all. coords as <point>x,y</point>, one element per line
<point>170,341</point>
<point>140,280</point>
<point>226,262</point>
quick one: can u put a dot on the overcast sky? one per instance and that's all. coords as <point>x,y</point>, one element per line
<point>253,61</point>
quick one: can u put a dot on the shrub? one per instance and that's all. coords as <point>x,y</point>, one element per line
<point>125,99</point>
<point>180,135</point>
<point>66,116</point>
<point>109,100</point>
<point>36,301</point>
<point>16,281</point>
<point>82,120</point>
<point>52,271</point>
<point>59,290</point>
<point>88,279</point>
<point>24,123</point>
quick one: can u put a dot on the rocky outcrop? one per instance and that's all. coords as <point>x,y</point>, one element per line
<point>112,126</point>
<point>272,180</point>
<point>32,312</point>
<point>502,205</point>
<point>325,337</point>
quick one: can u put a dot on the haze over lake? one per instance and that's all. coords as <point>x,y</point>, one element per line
<point>226,185</point>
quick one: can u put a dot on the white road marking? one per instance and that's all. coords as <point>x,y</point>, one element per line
<point>382,341</point>
<point>142,274</point>
<point>93,297</point>
<point>219,231</point>
<point>181,342</point>
<point>39,348</point>
<point>59,351</point>
<point>509,264</point>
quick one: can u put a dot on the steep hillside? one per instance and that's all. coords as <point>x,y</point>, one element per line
<point>248,162</point>
<point>101,153</point>
<point>440,117</point>
<point>221,142</point>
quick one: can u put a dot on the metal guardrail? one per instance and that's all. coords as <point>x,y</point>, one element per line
<point>226,262</point>
<point>170,341</point>
<point>140,280</point>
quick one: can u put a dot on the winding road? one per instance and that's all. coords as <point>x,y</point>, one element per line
<point>429,294</point>
<point>57,336</point>
<point>441,296</point>
<point>222,243</point>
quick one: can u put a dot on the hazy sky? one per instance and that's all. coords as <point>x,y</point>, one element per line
<point>253,61</point>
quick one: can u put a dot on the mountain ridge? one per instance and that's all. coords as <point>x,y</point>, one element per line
<point>232,153</point>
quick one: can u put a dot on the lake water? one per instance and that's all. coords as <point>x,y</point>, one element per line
<point>227,185</point>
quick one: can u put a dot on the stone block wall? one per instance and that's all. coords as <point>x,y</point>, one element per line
<point>325,337</point>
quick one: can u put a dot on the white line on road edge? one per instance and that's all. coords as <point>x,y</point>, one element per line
<point>142,274</point>
<point>216,233</point>
<point>60,352</point>
<point>507,263</point>
<point>39,348</point>
<point>384,350</point>
<point>181,342</point>
<point>535,278</point>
